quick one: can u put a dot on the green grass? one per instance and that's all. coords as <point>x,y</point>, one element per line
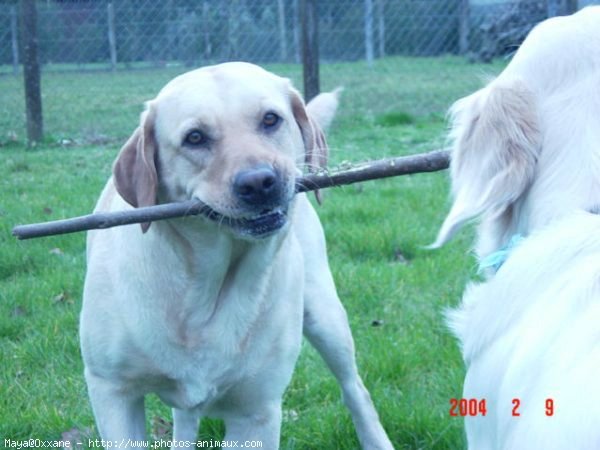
<point>376,232</point>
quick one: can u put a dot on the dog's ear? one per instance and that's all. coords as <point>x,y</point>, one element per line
<point>496,143</point>
<point>134,171</point>
<point>315,144</point>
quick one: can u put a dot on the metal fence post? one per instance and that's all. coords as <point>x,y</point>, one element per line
<point>31,71</point>
<point>14,37</point>
<point>561,7</point>
<point>310,48</point>
<point>296,21</point>
<point>381,26</point>
<point>282,33</point>
<point>233,28</point>
<point>464,25</point>
<point>369,32</point>
<point>571,6</point>
<point>112,41</point>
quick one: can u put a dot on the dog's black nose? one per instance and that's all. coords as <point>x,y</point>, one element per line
<point>260,186</point>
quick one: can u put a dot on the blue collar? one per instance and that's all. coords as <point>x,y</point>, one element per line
<point>496,259</point>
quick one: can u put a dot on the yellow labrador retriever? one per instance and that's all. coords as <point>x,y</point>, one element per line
<point>208,312</point>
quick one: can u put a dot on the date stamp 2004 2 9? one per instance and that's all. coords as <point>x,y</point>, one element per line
<point>472,407</point>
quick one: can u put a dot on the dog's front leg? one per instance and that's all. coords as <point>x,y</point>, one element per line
<point>119,414</point>
<point>326,327</point>
<point>264,426</point>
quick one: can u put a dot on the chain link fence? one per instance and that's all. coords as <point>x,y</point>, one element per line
<point>410,56</point>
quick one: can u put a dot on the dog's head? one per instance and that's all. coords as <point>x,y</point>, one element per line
<point>525,147</point>
<point>232,136</point>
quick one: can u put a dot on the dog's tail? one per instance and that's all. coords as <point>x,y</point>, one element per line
<point>323,107</point>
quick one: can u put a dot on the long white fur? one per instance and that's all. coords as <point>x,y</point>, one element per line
<point>526,160</point>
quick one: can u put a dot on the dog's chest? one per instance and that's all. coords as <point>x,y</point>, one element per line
<point>206,314</point>
<point>199,371</point>
<point>212,339</point>
<point>204,381</point>
<point>196,331</point>
<point>225,360</point>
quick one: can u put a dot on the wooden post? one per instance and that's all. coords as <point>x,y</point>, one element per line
<point>14,37</point>
<point>310,48</point>
<point>369,32</point>
<point>464,24</point>
<point>31,71</point>
<point>112,41</point>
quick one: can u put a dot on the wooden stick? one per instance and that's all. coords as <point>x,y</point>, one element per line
<point>384,168</point>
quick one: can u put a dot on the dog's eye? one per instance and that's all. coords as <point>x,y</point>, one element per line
<point>194,138</point>
<point>270,120</point>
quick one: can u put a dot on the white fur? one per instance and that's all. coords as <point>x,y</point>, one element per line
<point>526,160</point>
<point>209,320</point>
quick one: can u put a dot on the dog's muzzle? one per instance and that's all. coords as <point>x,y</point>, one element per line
<point>259,226</point>
<point>258,188</point>
<point>261,192</point>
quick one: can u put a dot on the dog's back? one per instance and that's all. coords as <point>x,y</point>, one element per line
<point>531,340</point>
<point>526,161</point>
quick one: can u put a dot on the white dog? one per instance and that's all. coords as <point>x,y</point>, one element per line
<point>526,159</point>
<point>208,312</point>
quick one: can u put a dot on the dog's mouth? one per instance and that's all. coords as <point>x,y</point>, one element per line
<point>262,225</point>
